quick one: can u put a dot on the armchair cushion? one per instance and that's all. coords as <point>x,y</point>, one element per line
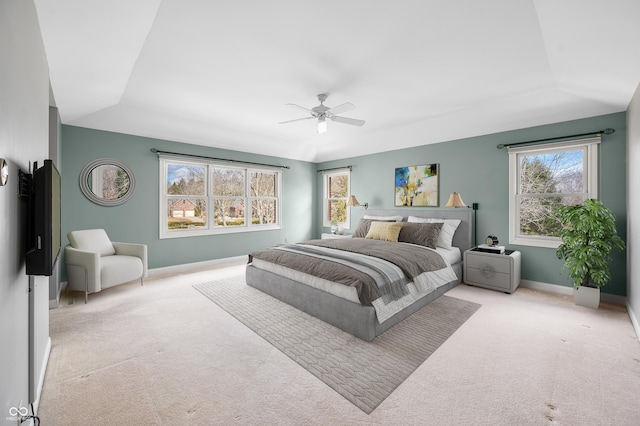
<point>94,240</point>
<point>117,269</point>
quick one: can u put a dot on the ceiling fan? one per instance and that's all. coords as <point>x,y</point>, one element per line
<point>324,113</point>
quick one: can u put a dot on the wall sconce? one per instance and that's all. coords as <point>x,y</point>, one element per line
<point>353,202</point>
<point>455,201</point>
<point>4,172</point>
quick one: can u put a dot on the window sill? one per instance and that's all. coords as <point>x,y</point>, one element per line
<point>217,231</point>
<point>536,242</point>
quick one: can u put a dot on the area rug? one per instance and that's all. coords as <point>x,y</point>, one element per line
<point>365,373</point>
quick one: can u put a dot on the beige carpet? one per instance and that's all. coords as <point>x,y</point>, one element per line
<point>365,373</point>
<point>162,354</point>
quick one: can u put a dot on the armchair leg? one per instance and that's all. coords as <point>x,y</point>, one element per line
<point>141,280</point>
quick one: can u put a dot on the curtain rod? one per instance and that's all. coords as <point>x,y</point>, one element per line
<point>335,168</point>
<point>157,151</point>
<point>607,131</point>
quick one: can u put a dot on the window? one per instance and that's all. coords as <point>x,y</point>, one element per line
<point>204,198</point>
<point>336,193</point>
<point>543,178</point>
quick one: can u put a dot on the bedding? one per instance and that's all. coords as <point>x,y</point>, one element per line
<point>363,226</point>
<point>384,231</point>
<point>387,275</point>
<point>424,234</point>
<point>368,299</point>
<point>449,226</point>
<point>452,256</point>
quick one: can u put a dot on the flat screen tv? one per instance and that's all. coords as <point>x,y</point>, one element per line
<point>43,220</point>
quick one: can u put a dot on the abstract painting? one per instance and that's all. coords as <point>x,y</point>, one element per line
<point>417,186</point>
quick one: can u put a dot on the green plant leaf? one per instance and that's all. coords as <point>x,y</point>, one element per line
<point>588,236</point>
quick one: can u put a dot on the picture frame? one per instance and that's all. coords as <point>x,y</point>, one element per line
<point>417,186</point>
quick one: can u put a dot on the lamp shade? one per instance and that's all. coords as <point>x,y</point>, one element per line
<point>352,201</point>
<point>455,200</point>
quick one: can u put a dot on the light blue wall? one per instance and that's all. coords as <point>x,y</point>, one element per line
<point>476,169</point>
<point>473,167</point>
<point>137,220</point>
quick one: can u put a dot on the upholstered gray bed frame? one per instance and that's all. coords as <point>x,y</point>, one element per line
<point>351,317</point>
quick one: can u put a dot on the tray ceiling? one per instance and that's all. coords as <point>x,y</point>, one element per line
<point>220,73</point>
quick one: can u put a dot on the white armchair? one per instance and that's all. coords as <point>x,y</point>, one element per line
<point>94,262</point>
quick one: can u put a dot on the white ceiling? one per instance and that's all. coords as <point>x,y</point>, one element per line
<point>219,73</point>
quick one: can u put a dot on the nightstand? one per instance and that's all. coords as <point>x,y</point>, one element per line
<point>494,271</point>
<point>327,236</point>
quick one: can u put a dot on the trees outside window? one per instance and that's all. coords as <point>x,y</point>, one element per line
<point>336,193</point>
<point>191,189</point>
<point>228,196</point>
<point>543,178</point>
<point>185,191</point>
<point>264,197</point>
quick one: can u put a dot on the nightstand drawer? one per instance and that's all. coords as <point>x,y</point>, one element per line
<point>491,270</point>
<point>496,263</point>
<point>488,276</point>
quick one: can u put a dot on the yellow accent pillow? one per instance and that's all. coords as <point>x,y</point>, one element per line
<point>385,231</point>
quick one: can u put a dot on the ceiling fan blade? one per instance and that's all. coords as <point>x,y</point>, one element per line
<point>347,106</point>
<point>297,119</point>
<point>301,107</point>
<point>345,120</point>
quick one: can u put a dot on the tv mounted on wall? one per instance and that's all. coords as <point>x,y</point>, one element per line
<point>43,220</point>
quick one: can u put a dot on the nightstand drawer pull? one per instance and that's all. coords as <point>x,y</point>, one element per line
<point>488,271</point>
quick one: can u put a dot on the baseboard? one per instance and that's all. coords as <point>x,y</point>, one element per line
<point>549,288</point>
<point>189,267</point>
<point>43,371</point>
<point>634,320</point>
<point>55,303</point>
<point>568,291</point>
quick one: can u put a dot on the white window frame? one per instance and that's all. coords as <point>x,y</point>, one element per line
<point>209,229</point>
<point>590,174</point>
<point>325,196</point>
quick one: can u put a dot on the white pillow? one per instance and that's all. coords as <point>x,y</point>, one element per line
<point>449,226</point>
<point>385,218</point>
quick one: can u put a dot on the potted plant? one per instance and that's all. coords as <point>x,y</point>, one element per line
<point>588,236</point>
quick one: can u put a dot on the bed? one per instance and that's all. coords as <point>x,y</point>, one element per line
<point>341,305</point>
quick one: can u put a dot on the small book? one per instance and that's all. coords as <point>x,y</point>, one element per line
<point>491,249</point>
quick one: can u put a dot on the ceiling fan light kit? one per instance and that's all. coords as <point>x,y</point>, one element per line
<point>322,124</point>
<point>322,113</point>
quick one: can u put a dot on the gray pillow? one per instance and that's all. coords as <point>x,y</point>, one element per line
<point>363,227</point>
<point>424,234</point>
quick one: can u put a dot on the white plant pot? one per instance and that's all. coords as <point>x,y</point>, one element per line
<point>587,296</point>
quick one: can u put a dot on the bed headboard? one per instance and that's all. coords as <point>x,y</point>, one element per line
<point>464,236</point>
